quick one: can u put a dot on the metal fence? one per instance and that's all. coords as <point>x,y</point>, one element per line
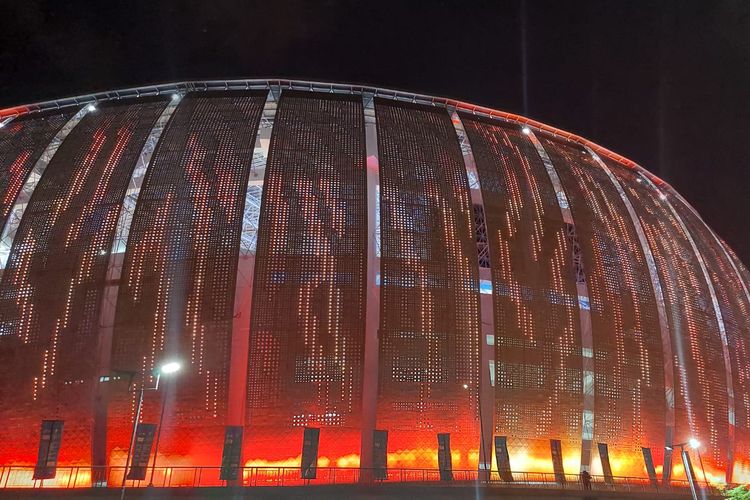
<point>193,477</point>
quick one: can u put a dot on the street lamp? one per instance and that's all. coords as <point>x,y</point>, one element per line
<point>694,444</point>
<point>483,453</point>
<point>166,368</point>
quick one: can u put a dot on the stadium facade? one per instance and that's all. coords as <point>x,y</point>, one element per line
<point>350,259</point>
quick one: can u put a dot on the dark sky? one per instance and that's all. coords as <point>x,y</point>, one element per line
<point>665,83</point>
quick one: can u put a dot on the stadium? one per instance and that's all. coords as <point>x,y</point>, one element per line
<point>327,262</point>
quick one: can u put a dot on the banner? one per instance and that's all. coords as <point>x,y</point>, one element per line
<point>49,448</point>
<point>606,467</point>
<point>445,461</point>
<point>649,459</point>
<point>309,465</point>
<point>557,460</point>
<point>380,454</point>
<point>503,459</point>
<point>144,438</point>
<point>232,453</point>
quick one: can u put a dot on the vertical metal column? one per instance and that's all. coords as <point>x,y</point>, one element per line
<point>243,294</point>
<point>372,309</point>
<point>584,308</point>
<point>666,337</point>
<point>719,320</point>
<point>486,310</point>
<point>112,286</point>
<point>22,200</point>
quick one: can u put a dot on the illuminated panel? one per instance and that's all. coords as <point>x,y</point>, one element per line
<point>429,319</point>
<point>537,330</point>
<point>733,299</point>
<point>700,383</point>
<point>178,280</point>
<point>22,142</point>
<point>51,290</point>
<point>308,321</point>
<point>628,362</point>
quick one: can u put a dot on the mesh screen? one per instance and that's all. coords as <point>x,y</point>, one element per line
<point>51,290</point>
<point>629,370</point>
<point>22,142</point>
<point>537,330</point>
<point>700,383</point>
<point>735,311</point>
<point>307,336</point>
<point>178,280</point>
<point>429,326</point>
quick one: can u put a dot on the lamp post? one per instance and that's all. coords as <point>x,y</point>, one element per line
<point>171,367</point>
<point>695,444</point>
<point>167,369</point>
<point>483,451</point>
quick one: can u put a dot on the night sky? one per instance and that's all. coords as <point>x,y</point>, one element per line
<point>666,84</point>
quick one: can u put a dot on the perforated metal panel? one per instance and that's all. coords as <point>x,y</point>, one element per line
<point>51,290</point>
<point>429,322</point>
<point>537,339</point>
<point>629,373</point>
<point>700,384</point>
<point>735,311</point>
<point>177,289</point>
<point>307,336</point>
<point>22,142</point>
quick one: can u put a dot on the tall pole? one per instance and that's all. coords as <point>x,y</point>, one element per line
<point>158,433</point>
<point>688,471</point>
<point>132,441</point>
<point>700,460</point>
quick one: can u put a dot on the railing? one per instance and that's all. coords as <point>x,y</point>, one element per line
<point>198,477</point>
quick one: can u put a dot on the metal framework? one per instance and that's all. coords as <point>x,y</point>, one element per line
<point>719,320</point>
<point>584,308</point>
<point>664,331</point>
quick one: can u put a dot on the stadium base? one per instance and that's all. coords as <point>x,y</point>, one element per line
<point>354,492</point>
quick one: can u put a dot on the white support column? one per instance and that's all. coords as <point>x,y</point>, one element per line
<point>664,331</point>
<point>485,391</point>
<point>584,308</point>
<point>114,271</point>
<point>22,200</point>
<point>719,320</point>
<point>243,292</point>
<point>6,120</point>
<point>372,309</point>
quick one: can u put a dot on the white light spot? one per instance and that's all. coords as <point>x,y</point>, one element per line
<point>91,107</point>
<point>526,130</point>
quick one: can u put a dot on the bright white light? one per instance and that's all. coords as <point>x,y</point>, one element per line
<point>639,179</point>
<point>662,196</point>
<point>526,130</point>
<point>175,96</point>
<point>170,367</point>
<point>694,443</point>
<point>466,386</point>
<point>91,107</point>
<point>2,124</point>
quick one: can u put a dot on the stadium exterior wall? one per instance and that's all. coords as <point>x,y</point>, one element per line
<point>352,259</point>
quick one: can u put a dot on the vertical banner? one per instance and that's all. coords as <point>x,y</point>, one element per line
<point>557,460</point>
<point>144,439</point>
<point>380,454</point>
<point>445,461</point>
<point>309,465</point>
<point>606,467</point>
<point>231,455</point>
<point>649,460</point>
<point>49,448</point>
<point>666,473</point>
<point>503,459</point>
